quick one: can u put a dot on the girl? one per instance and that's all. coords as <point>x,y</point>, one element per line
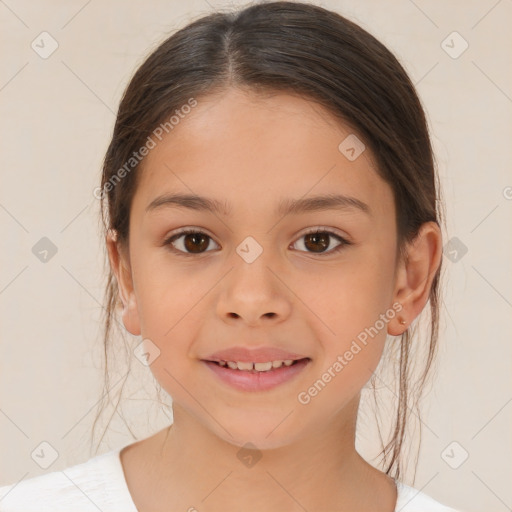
<point>271,216</point>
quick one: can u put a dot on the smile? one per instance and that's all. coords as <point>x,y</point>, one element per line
<point>259,367</point>
<point>249,376</point>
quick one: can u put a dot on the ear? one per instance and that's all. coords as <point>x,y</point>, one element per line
<point>120,265</point>
<point>414,276</point>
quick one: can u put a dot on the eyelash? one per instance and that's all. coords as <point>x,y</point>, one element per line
<point>187,231</point>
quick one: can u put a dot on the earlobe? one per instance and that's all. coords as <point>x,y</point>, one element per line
<point>130,317</point>
<point>415,275</point>
<point>120,265</point>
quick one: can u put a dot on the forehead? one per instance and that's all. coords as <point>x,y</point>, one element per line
<point>250,147</point>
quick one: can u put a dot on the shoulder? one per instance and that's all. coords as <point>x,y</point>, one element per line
<point>410,499</point>
<point>97,484</point>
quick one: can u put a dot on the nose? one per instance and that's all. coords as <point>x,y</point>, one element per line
<point>253,293</point>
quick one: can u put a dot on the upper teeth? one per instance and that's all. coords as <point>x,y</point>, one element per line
<point>260,367</point>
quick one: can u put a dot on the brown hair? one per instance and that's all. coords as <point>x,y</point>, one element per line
<point>300,49</point>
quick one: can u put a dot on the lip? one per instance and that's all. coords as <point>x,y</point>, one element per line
<point>243,380</point>
<point>254,355</point>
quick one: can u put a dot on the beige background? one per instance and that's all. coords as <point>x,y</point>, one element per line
<point>56,118</point>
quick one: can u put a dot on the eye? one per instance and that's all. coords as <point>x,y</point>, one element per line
<point>194,242</point>
<point>197,242</point>
<point>319,240</point>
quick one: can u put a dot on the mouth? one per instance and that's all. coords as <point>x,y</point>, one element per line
<point>259,376</point>
<point>258,367</point>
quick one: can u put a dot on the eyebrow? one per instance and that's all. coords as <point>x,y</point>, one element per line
<point>286,206</point>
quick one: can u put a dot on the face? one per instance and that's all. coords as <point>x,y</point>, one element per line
<point>252,275</point>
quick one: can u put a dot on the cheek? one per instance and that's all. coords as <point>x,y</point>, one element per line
<point>171,302</point>
<point>166,293</point>
<point>353,305</point>
<point>348,297</point>
<point>357,312</point>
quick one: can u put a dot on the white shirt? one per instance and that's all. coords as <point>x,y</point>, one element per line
<point>99,484</point>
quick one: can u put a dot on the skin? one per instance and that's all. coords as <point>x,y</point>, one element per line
<point>252,150</point>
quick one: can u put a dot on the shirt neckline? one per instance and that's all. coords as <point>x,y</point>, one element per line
<point>125,491</point>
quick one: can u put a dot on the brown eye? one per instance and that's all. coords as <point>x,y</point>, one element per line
<point>196,242</point>
<point>189,242</point>
<point>193,242</point>
<point>319,242</point>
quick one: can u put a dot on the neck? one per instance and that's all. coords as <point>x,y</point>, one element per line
<point>193,469</point>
